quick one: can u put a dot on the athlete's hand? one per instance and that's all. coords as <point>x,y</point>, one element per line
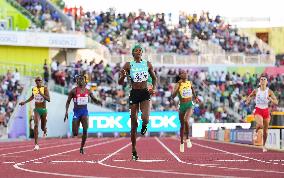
<point>22,103</point>
<point>66,117</point>
<point>123,73</point>
<point>197,100</point>
<point>151,91</point>
<point>247,102</point>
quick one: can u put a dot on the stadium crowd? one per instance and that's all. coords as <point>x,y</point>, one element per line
<point>49,19</point>
<point>10,89</point>
<point>217,91</point>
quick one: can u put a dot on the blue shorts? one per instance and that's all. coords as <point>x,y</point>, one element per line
<point>80,112</point>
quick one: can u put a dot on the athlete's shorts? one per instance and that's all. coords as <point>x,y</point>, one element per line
<point>262,112</point>
<point>40,111</point>
<point>79,113</point>
<point>184,106</point>
<point>139,95</point>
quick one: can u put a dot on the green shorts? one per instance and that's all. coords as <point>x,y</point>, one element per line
<point>41,111</point>
<point>184,106</point>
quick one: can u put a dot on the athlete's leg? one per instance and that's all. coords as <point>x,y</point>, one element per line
<point>43,123</point>
<point>188,114</point>
<point>145,109</point>
<point>36,120</point>
<point>134,124</point>
<point>265,129</point>
<point>181,130</point>
<point>259,122</point>
<point>85,124</point>
<point>75,127</point>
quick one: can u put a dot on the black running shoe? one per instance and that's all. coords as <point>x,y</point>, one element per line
<point>82,151</point>
<point>134,156</point>
<point>143,129</point>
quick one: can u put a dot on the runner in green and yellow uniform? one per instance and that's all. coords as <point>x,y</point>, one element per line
<point>185,92</point>
<point>40,94</point>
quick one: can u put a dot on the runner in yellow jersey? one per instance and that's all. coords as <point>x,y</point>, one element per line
<point>186,93</point>
<point>40,94</point>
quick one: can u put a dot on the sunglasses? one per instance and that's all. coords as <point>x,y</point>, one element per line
<point>38,80</point>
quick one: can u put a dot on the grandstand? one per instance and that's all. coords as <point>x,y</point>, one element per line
<point>49,39</point>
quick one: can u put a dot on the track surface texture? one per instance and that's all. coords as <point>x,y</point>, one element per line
<point>158,157</point>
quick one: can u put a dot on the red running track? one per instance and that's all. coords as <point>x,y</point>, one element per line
<point>159,157</point>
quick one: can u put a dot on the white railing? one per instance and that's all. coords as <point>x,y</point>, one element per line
<point>204,59</point>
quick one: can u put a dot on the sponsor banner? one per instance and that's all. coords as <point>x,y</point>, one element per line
<point>244,136</point>
<point>282,139</point>
<point>198,129</point>
<point>227,135</point>
<point>221,134</point>
<point>273,139</point>
<point>40,39</point>
<point>121,122</point>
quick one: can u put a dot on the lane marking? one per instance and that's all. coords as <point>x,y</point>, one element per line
<point>231,168</point>
<point>149,170</point>
<point>17,165</point>
<point>233,160</point>
<point>92,162</point>
<point>31,150</point>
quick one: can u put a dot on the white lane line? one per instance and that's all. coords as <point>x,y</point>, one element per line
<point>149,170</point>
<point>31,145</point>
<point>92,162</point>
<point>233,168</point>
<point>233,160</point>
<point>180,161</point>
<point>17,165</point>
<point>235,154</point>
<point>8,162</point>
<point>31,150</point>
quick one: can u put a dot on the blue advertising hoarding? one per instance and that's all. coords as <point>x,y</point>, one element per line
<point>121,122</point>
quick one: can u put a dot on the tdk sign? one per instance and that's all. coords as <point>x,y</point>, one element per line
<point>121,122</point>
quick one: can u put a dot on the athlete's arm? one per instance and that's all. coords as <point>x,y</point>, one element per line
<point>94,98</point>
<point>272,97</point>
<point>123,73</point>
<point>252,95</point>
<point>174,94</point>
<point>46,96</point>
<point>153,75</point>
<point>194,94</point>
<point>24,102</point>
<point>70,96</point>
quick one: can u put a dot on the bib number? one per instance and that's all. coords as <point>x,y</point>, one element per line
<point>186,93</point>
<point>82,100</point>
<point>140,76</point>
<point>39,98</point>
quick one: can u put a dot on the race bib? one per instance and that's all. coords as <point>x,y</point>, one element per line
<point>82,100</point>
<point>38,98</point>
<point>186,93</point>
<point>140,76</point>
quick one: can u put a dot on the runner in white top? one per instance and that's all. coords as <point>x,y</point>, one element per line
<point>263,95</point>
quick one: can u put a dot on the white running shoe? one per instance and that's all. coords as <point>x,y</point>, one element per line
<point>254,136</point>
<point>264,149</point>
<point>36,148</point>
<point>181,148</point>
<point>188,143</point>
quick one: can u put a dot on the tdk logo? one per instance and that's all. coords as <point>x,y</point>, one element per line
<point>103,122</point>
<point>119,122</point>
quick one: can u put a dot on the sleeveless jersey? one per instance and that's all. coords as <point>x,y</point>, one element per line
<point>81,98</point>
<point>185,90</point>
<point>37,97</point>
<point>261,98</point>
<point>139,71</point>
